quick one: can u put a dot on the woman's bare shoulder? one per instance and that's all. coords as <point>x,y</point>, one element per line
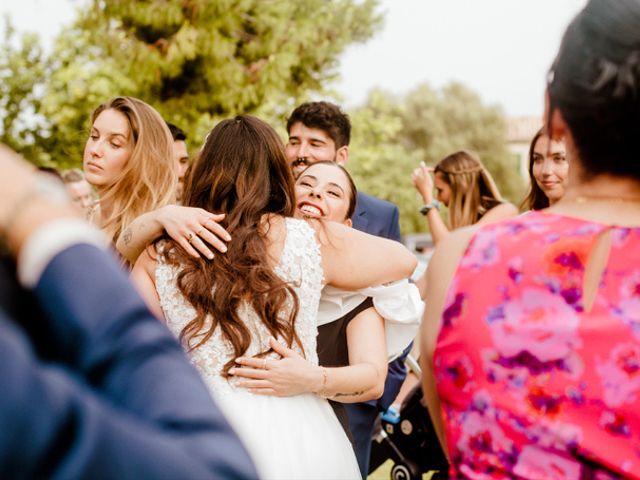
<point>499,212</point>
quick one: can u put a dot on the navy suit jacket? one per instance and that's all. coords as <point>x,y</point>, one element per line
<point>98,388</point>
<point>381,218</point>
<point>377,217</point>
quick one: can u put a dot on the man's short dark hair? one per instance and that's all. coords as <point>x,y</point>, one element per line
<point>176,132</point>
<point>324,116</point>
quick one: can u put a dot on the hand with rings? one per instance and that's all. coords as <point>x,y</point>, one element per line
<point>195,229</point>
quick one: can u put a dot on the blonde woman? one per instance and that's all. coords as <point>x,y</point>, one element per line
<point>465,187</point>
<point>128,158</point>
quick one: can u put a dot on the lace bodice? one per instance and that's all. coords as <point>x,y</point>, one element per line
<point>299,264</point>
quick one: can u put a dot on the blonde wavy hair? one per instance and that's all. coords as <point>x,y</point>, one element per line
<point>473,191</point>
<point>148,179</point>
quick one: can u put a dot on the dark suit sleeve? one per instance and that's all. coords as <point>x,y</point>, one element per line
<point>121,401</point>
<point>394,225</point>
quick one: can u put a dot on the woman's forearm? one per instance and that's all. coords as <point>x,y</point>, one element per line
<point>352,384</point>
<point>139,234</point>
<point>437,227</point>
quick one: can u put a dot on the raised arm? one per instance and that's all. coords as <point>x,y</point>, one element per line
<point>194,229</point>
<point>423,183</point>
<point>353,260</point>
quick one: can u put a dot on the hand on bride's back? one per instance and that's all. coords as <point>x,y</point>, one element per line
<point>287,376</point>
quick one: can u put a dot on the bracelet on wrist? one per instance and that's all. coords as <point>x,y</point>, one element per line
<point>426,208</point>
<point>323,388</point>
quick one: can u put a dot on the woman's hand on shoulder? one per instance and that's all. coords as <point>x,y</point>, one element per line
<point>194,229</point>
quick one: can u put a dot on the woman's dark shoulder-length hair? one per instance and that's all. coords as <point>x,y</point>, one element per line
<point>595,84</point>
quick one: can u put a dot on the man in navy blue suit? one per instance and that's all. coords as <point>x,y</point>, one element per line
<point>93,386</point>
<point>320,131</point>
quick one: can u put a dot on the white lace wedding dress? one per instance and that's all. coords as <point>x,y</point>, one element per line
<point>296,437</point>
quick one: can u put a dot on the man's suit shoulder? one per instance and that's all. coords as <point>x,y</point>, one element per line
<point>377,217</point>
<point>369,202</point>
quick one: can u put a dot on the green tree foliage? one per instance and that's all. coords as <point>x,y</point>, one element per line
<point>379,162</point>
<point>22,73</point>
<point>392,135</point>
<point>197,61</point>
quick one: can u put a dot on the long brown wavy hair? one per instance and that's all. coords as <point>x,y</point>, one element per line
<point>473,191</point>
<point>242,172</point>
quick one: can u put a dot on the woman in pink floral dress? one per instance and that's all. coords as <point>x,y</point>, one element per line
<point>532,329</point>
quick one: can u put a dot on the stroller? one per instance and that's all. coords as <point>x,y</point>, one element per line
<point>409,439</point>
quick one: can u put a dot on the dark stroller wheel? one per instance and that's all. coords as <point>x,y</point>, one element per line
<point>405,471</point>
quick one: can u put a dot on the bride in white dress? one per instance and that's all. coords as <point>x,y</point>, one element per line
<point>266,286</point>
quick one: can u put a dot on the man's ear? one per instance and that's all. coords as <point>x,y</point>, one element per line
<point>342,155</point>
<point>554,125</point>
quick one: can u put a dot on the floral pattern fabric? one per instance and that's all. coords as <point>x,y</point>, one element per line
<point>534,383</point>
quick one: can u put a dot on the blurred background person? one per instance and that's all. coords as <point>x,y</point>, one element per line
<point>548,172</point>
<point>531,340</point>
<point>52,171</point>
<point>79,189</point>
<point>465,187</point>
<point>181,156</point>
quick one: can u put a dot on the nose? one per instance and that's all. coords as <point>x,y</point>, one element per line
<point>95,148</point>
<point>315,192</point>
<point>302,150</point>
<point>547,167</point>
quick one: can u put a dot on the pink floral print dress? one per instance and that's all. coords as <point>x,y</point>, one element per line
<point>533,384</point>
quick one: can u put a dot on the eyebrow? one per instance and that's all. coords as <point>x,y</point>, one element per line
<point>114,134</point>
<point>306,175</point>
<point>337,186</point>
<point>312,139</point>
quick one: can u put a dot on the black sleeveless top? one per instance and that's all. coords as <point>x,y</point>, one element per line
<point>333,351</point>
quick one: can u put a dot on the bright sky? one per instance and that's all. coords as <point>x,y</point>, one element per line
<point>499,48</point>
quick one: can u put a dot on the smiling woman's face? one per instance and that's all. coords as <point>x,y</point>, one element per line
<point>323,191</point>
<point>550,167</point>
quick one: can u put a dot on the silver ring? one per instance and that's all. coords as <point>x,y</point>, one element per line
<point>264,363</point>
